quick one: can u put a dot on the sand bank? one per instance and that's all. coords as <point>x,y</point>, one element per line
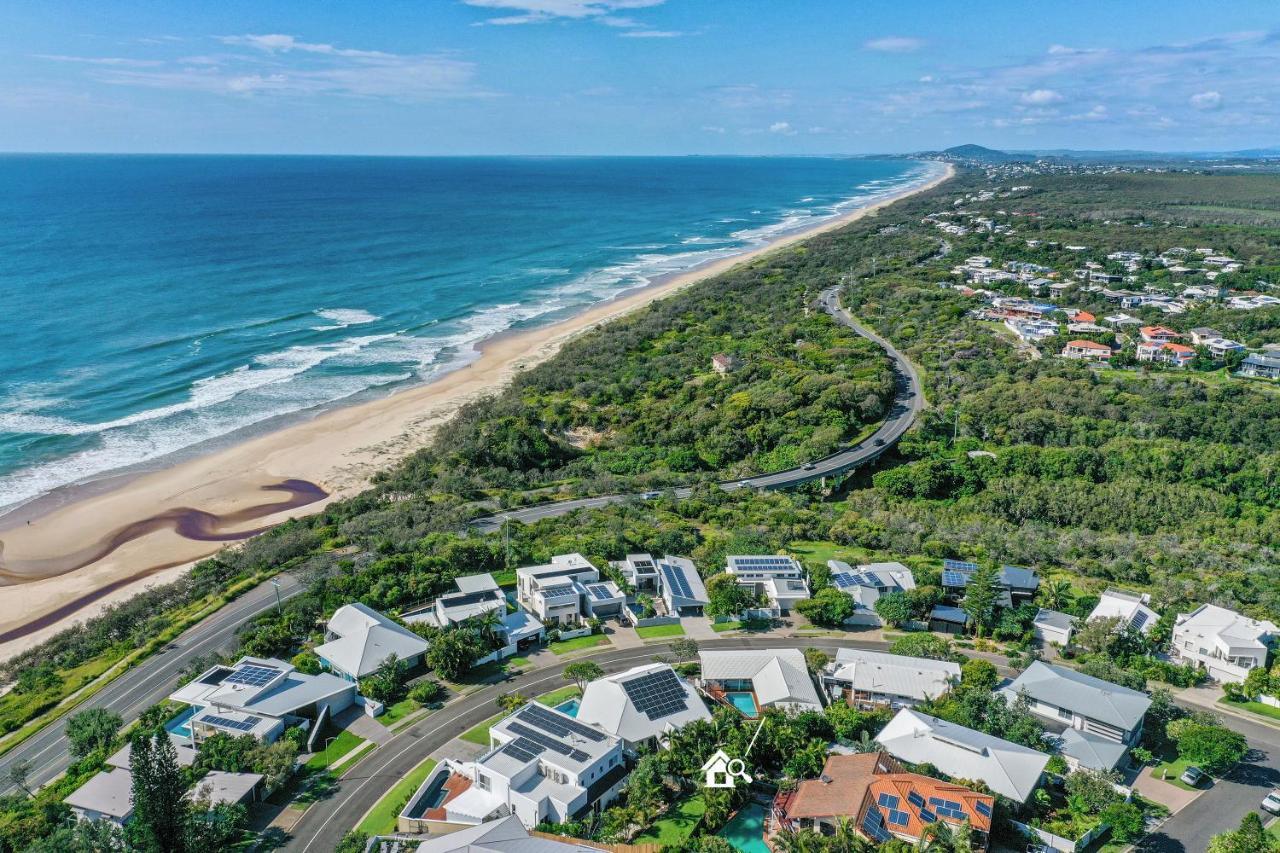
<point>66,563</point>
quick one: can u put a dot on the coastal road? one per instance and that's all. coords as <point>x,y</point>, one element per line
<point>144,685</point>
<point>907,403</point>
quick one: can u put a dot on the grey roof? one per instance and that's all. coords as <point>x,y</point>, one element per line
<point>1092,751</point>
<point>365,638</point>
<point>689,571</point>
<point>1083,694</point>
<point>476,583</point>
<point>947,613</point>
<point>778,676</point>
<point>896,675</point>
<point>505,835</point>
<point>298,691</point>
<point>606,704</point>
<point>1018,577</point>
<point>1263,360</point>
<point>186,755</point>
<point>1054,619</point>
<point>107,793</point>
<point>220,787</point>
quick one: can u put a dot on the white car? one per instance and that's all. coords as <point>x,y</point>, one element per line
<point>1271,802</point>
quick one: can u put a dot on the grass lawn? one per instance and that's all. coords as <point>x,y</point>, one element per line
<point>555,697</point>
<point>590,641</point>
<point>1254,708</point>
<point>337,748</point>
<point>480,734</point>
<point>517,663</point>
<point>819,552</point>
<point>1175,766</point>
<point>676,825</point>
<point>651,632</point>
<point>398,711</point>
<point>720,627</point>
<point>381,819</point>
<point>1274,829</point>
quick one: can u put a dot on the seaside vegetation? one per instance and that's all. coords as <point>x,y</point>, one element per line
<point>1151,479</point>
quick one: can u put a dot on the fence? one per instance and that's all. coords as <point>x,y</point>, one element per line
<point>612,848</point>
<point>1057,842</point>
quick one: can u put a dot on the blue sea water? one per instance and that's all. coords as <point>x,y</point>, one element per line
<point>152,304</point>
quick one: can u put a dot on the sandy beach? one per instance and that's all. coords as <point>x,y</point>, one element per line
<point>151,527</point>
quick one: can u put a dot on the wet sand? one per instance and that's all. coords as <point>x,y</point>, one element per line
<point>68,562</point>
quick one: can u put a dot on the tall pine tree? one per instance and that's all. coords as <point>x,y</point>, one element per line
<point>159,809</point>
<point>982,597</point>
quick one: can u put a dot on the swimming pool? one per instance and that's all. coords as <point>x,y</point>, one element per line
<point>178,725</point>
<point>746,831</point>
<point>569,707</point>
<point>431,798</point>
<point>745,703</point>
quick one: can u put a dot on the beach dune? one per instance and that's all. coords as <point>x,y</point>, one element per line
<point>63,563</point>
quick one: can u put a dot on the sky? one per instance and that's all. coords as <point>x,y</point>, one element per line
<point>636,76</point>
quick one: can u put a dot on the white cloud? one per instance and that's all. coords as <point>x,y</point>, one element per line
<point>782,127</point>
<point>928,78</point>
<point>113,61</point>
<point>1041,97</point>
<point>713,128</point>
<point>652,34</point>
<point>542,11</point>
<point>279,43</point>
<point>894,44</point>
<point>1206,101</point>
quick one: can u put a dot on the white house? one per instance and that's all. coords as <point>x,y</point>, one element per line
<point>261,697</point>
<point>1050,626</point>
<point>1132,610</point>
<point>1223,643</point>
<point>504,835</point>
<point>868,583</point>
<point>682,587</point>
<point>107,796</point>
<point>542,765</point>
<point>476,596</point>
<point>866,679</point>
<point>359,639</point>
<point>641,571</point>
<point>553,592</point>
<point>780,579</point>
<point>1006,768</point>
<point>641,705</point>
<point>752,679</point>
<point>1093,707</point>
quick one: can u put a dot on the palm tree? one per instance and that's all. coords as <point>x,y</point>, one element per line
<point>1056,595</point>
<point>847,839</point>
<point>799,841</point>
<point>940,837</point>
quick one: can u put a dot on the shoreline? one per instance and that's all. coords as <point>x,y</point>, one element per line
<point>337,450</point>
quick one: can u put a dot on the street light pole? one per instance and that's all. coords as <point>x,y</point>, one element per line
<point>279,606</point>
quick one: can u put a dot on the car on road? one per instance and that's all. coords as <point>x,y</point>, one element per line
<point>1271,802</point>
<point>808,466</point>
<point>879,442</point>
<point>1193,776</point>
<point>649,496</point>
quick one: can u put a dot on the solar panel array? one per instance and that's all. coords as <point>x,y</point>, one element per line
<point>245,725</point>
<point>676,581</point>
<point>873,826</point>
<point>600,592</point>
<point>844,579</point>
<point>547,742</point>
<point>559,591</point>
<point>982,808</point>
<point>960,565</point>
<point>763,562</point>
<point>559,724</point>
<point>252,675</point>
<point>1139,619</point>
<point>889,801</point>
<point>898,817</point>
<point>642,564</point>
<point>955,578</point>
<point>915,799</point>
<point>948,808</point>
<point>657,694</point>
<point>926,816</point>
<point>522,749</point>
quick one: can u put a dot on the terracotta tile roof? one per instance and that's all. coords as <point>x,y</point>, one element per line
<point>849,777</point>
<point>1180,348</point>
<point>1084,317</point>
<point>882,792</point>
<point>1088,345</point>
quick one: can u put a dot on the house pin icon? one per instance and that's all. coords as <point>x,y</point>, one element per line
<point>720,771</point>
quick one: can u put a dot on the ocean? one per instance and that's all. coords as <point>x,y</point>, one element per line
<point>151,305</point>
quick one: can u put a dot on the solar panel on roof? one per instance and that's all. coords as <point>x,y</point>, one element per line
<point>245,725</point>
<point>982,808</point>
<point>559,724</point>
<point>897,818</point>
<point>843,579</point>
<point>252,675</point>
<point>960,565</point>
<point>1139,619</point>
<point>657,694</point>
<point>600,593</point>
<point>548,742</point>
<point>676,581</point>
<point>873,826</point>
<point>889,801</point>
<point>523,749</point>
<point>927,816</point>
<point>559,591</point>
<point>915,799</point>
<point>955,578</point>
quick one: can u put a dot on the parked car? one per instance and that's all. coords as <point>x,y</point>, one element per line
<point>1271,802</point>
<point>1193,776</point>
<point>808,466</point>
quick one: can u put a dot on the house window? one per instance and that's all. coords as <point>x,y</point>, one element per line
<point>483,782</point>
<point>1065,714</point>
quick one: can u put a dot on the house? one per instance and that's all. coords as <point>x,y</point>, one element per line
<point>1050,626</point>
<point>1178,355</point>
<point>874,793</point>
<point>1007,768</point>
<point>780,579</point>
<point>1260,366</point>
<point>504,835</point>
<point>219,788</point>
<point>553,592</point>
<point>868,583</point>
<point>640,571</point>
<point>476,596</point>
<point>186,754</point>
<point>1158,335</point>
<point>722,363</point>
<point>682,587</point>
<point>1223,643</point>
<point>261,697</point>
<point>1087,350</point>
<point>1078,316</point>
<point>642,705</point>
<point>1219,347</point>
<point>107,796</point>
<point>1017,584</point>
<point>866,679</point>
<point>1121,319</point>
<point>1201,335</point>
<point>754,679</point>
<point>603,599</point>
<point>542,765</point>
<point>947,619</point>
<point>1032,330</point>
<point>1130,609</point>
<point>359,638</point>
<point>1095,708</point>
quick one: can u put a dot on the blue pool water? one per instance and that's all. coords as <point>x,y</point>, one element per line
<point>745,703</point>
<point>570,707</point>
<point>178,725</point>
<point>746,831</point>
<point>154,303</point>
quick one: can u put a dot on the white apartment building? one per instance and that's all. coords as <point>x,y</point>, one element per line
<point>1222,642</point>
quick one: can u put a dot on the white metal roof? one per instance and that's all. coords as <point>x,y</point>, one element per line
<point>778,676</point>
<point>107,793</point>
<point>219,787</point>
<point>365,639</point>
<point>897,675</point>
<point>505,835</point>
<point>1231,629</point>
<point>1130,608</point>
<point>605,704</point>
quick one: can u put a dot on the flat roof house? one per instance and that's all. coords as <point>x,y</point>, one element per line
<point>1223,643</point>
<point>641,705</point>
<point>682,587</point>
<point>1261,366</point>
<point>1009,769</point>
<point>107,796</point>
<point>866,679</point>
<point>868,582</point>
<point>780,579</point>
<point>359,638</point>
<point>1130,609</point>
<point>641,571</point>
<point>554,592</point>
<point>774,678</point>
<point>261,697</point>
<point>882,800</point>
<point>1095,708</point>
<point>476,596</point>
<point>542,765</point>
